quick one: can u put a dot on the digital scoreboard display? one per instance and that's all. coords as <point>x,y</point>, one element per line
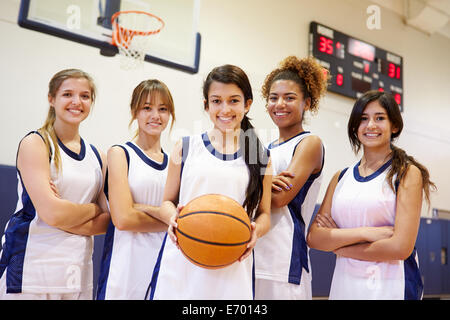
<point>356,66</point>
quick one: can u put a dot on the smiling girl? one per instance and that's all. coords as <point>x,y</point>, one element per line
<point>48,246</point>
<point>371,211</point>
<point>137,172</point>
<point>219,161</point>
<point>282,264</point>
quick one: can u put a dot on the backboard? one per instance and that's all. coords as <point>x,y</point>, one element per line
<point>88,22</point>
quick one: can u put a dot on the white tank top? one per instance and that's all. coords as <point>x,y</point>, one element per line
<point>282,254</point>
<point>42,259</point>
<point>129,257</point>
<point>204,171</point>
<point>370,202</point>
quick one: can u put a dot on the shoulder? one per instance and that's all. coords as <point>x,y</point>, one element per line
<point>117,153</point>
<point>310,142</point>
<point>33,142</point>
<point>413,177</point>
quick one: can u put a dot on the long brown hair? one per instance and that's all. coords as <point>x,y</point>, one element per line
<point>400,159</point>
<point>249,141</point>
<point>47,130</point>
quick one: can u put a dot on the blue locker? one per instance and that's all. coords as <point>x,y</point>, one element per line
<point>445,266</point>
<point>429,247</point>
<point>8,194</point>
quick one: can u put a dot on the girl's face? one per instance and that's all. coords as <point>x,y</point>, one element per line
<point>153,116</point>
<point>226,106</point>
<point>375,128</point>
<point>72,101</point>
<point>286,103</point>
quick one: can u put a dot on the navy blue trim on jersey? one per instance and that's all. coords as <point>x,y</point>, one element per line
<point>184,153</point>
<point>152,286</point>
<point>253,275</point>
<point>273,144</point>
<point>372,176</point>
<point>16,238</point>
<point>217,154</point>
<point>341,174</point>
<point>147,160</point>
<point>299,255</point>
<point>97,154</point>
<point>413,280</point>
<point>70,153</point>
<point>106,262</point>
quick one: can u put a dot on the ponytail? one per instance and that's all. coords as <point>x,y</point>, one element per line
<point>400,164</point>
<point>256,158</point>
<point>47,131</point>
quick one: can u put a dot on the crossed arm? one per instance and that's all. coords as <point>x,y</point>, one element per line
<point>372,243</point>
<point>34,168</point>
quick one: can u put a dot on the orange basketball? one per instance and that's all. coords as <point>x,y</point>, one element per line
<point>213,231</point>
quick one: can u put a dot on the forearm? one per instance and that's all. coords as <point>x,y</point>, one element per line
<point>95,226</point>
<point>136,220</point>
<point>330,239</point>
<point>152,211</point>
<point>381,250</point>
<point>64,214</point>
<point>262,224</point>
<point>167,211</point>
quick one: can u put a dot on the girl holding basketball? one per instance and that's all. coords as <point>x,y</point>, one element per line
<point>282,264</point>
<point>137,173</point>
<point>218,161</point>
<point>47,253</point>
<point>371,211</point>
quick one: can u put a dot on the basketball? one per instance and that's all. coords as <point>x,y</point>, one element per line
<point>213,231</point>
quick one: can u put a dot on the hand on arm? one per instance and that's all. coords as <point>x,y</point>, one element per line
<point>125,213</point>
<point>33,165</point>
<point>324,234</point>
<point>307,160</point>
<point>400,244</point>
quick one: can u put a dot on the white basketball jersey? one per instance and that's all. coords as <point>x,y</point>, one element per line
<point>282,254</point>
<point>42,259</point>
<point>370,202</point>
<point>129,257</point>
<point>204,171</point>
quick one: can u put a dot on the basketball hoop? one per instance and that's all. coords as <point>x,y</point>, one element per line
<point>131,34</point>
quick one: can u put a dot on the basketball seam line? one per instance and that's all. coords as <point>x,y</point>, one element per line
<point>216,212</point>
<point>211,242</point>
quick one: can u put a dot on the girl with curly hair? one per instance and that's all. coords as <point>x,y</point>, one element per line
<point>281,257</point>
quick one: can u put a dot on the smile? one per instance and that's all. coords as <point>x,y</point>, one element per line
<point>226,119</point>
<point>280,114</point>
<point>75,111</point>
<point>372,135</point>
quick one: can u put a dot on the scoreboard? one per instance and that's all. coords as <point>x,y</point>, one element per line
<point>356,66</point>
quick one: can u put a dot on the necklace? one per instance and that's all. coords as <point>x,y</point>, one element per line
<point>366,169</point>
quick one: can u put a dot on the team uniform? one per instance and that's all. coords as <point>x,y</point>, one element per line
<point>204,171</point>
<point>39,261</point>
<point>282,266</point>
<point>370,202</point>
<point>129,257</point>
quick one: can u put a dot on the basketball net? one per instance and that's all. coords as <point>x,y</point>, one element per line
<point>131,34</point>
